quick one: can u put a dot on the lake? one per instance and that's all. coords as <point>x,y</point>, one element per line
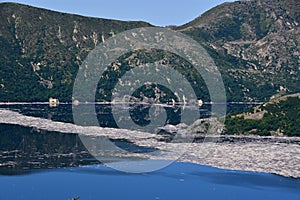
<point>178,181</point>
<point>39,164</point>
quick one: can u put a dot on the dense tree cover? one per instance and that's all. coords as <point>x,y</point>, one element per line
<point>280,118</point>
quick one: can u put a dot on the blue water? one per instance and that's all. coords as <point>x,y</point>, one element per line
<point>28,150</point>
<point>178,181</point>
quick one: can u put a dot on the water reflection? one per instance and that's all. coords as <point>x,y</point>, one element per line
<point>27,150</point>
<point>24,149</point>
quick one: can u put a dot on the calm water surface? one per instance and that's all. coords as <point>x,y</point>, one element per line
<point>36,164</point>
<point>178,181</point>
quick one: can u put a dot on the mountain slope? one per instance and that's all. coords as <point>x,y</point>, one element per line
<point>254,43</point>
<point>263,36</point>
<point>41,50</point>
<point>277,117</point>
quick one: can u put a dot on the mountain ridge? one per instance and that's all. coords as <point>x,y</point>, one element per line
<point>14,4</point>
<point>248,23</point>
<point>45,49</point>
<point>262,33</point>
<point>255,47</point>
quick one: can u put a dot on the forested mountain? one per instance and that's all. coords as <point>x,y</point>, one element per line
<point>255,44</point>
<point>41,50</point>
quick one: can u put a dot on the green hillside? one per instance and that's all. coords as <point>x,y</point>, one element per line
<point>255,44</point>
<point>278,117</point>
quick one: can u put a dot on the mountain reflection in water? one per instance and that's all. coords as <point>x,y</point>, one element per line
<point>27,150</point>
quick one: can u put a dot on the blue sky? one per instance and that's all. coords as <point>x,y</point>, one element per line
<point>157,12</point>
